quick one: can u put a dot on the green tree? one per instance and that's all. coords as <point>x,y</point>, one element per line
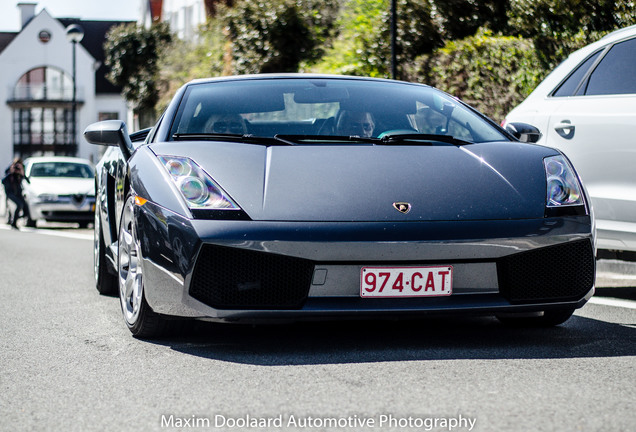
<point>276,35</point>
<point>417,33</point>
<point>363,44</point>
<point>356,48</point>
<point>458,19</point>
<point>491,73</point>
<point>561,26</point>
<point>132,53</point>
<point>184,61</point>
<point>457,45</point>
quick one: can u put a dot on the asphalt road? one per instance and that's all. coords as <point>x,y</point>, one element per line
<point>67,363</point>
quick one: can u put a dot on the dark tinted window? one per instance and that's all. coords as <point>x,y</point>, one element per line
<point>569,86</point>
<point>326,107</point>
<point>61,169</point>
<point>616,74</point>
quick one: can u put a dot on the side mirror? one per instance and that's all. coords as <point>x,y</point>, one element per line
<point>524,132</point>
<point>110,133</point>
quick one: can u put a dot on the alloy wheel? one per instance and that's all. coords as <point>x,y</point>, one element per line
<point>130,272</point>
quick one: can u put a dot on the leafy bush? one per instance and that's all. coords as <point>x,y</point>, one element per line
<point>356,48</point>
<point>558,27</point>
<point>450,44</point>
<point>276,35</point>
<point>184,61</point>
<point>132,53</point>
<point>551,50</point>
<point>491,73</point>
<point>458,19</point>
<point>362,45</point>
<point>417,33</point>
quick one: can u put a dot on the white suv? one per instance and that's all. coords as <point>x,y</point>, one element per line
<point>587,108</point>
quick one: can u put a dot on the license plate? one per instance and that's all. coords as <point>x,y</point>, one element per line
<point>406,281</point>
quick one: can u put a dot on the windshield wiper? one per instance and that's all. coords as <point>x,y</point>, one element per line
<point>402,139</point>
<point>316,139</point>
<point>242,138</point>
<point>397,139</point>
<point>419,139</point>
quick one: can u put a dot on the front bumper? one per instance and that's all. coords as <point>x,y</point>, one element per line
<point>64,208</point>
<point>247,270</point>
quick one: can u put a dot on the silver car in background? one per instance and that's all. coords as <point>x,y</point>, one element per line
<point>59,189</point>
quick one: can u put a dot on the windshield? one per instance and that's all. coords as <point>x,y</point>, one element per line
<point>61,169</point>
<point>326,107</point>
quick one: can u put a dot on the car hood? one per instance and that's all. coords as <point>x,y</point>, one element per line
<point>60,186</point>
<point>362,182</point>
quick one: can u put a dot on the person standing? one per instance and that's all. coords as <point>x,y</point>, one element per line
<point>12,183</point>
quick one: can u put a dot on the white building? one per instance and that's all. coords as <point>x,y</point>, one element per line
<point>184,16</point>
<point>36,87</point>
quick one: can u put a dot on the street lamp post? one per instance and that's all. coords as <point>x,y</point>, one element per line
<point>74,34</point>
<point>394,39</point>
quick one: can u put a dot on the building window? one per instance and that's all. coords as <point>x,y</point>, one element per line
<point>42,113</point>
<point>107,116</point>
<point>42,131</point>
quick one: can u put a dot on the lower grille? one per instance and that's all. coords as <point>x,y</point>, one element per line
<point>230,278</point>
<point>68,215</point>
<point>561,272</point>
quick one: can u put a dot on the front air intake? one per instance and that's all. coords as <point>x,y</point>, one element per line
<point>561,272</point>
<point>231,278</point>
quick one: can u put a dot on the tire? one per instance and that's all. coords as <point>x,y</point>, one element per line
<point>29,221</point>
<point>105,282</point>
<point>141,320</point>
<point>549,318</point>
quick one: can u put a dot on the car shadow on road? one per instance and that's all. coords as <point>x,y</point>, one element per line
<point>385,341</point>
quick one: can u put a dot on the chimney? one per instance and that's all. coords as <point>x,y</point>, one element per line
<point>27,11</point>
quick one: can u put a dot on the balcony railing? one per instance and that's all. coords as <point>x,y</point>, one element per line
<point>43,92</point>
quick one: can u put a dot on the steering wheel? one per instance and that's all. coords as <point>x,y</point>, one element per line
<point>327,127</point>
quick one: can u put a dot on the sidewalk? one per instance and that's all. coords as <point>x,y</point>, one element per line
<point>615,273</point>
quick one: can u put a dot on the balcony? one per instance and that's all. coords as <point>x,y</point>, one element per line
<point>42,95</point>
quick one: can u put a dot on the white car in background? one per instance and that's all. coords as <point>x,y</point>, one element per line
<point>587,108</point>
<point>59,189</point>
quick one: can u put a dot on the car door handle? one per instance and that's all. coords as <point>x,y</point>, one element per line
<point>565,129</point>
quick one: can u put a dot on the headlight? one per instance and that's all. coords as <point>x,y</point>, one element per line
<point>563,188</point>
<point>196,186</point>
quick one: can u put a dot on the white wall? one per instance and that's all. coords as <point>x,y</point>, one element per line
<point>26,52</point>
<point>184,16</point>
